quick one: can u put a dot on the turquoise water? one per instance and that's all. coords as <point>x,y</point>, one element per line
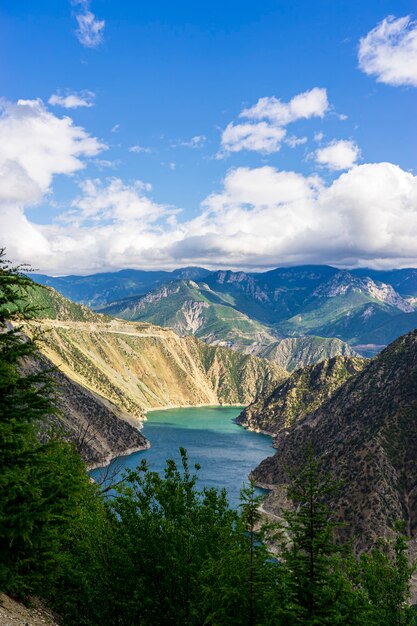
<point>225,451</point>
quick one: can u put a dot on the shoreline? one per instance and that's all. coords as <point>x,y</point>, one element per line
<point>168,407</point>
<point>110,457</point>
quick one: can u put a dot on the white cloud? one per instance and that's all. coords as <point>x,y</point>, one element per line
<point>139,149</point>
<point>114,203</point>
<point>318,136</point>
<point>90,32</point>
<point>268,117</point>
<point>389,51</point>
<point>313,103</point>
<point>35,145</point>
<point>115,128</point>
<point>261,137</point>
<point>73,100</point>
<point>293,142</point>
<point>172,166</point>
<point>195,142</point>
<point>260,217</point>
<point>338,155</point>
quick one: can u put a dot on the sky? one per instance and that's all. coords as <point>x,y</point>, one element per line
<point>227,134</point>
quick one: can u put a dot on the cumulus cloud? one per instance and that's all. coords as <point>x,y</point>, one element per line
<point>260,217</point>
<point>268,117</point>
<point>389,51</point>
<point>73,100</point>
<point>35,145</point>
<point>90,31</point>
<point>313,103</point>
<point>261,137</point>
<point>338,155</point>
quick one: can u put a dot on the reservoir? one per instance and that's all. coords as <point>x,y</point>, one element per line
<point>225,451</point>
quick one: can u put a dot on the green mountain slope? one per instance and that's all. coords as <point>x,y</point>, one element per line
<point>366,436</point>
<point>250,311</point>
<point>194,308</point>
<point>191,308</point>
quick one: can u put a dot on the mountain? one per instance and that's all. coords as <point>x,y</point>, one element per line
<point>139,366</point>
<point>194,308</point>
<point>191,308</point>
<point>249,311</point>
<point>300,394</point>
<point>404,281</point>
<point>295,352</point>
<point>98,289</point>
<point>366,436</point>
<point>347,307</point>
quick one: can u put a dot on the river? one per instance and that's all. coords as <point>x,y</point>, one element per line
<point>225,451</point>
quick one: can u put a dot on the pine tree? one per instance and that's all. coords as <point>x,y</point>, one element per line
<point>316,588</point>
<point>39,482</point>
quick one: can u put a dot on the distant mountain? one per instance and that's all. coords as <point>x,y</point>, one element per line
<point>191,308</point>
<point>98,289</point>
<point>249,311</point>
<point>366,436</point>
<point>404,281</point>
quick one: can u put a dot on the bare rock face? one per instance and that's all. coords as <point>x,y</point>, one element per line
<point>366,436</point>
<point>99,430</point>
<point>14,613</point>
<point>343,281</point>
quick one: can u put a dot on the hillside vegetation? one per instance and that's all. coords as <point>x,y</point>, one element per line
<point>365,434</point>
<point>301,394</point>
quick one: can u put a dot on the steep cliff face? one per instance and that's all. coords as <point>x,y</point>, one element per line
<point>366,436</point>
<point>99,430</point>
<point>302,393</point>
<point>140,366</point>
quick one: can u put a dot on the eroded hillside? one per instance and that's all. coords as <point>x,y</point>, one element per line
<point>366,436</point>
<point>140,366</point>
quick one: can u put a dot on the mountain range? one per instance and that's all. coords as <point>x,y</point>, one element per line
<point>363,309</point>
<point>358,415</point>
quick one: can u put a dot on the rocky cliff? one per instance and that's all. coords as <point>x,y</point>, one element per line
<point>300,394</point>
<point>99,430</point>
<point>366,436</point>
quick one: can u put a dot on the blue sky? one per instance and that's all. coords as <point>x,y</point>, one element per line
<point>172,90</point>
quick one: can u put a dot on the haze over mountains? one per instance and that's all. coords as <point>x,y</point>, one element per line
<point>254,312</point>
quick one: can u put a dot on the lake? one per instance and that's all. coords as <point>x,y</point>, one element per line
<point>225,451</point>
